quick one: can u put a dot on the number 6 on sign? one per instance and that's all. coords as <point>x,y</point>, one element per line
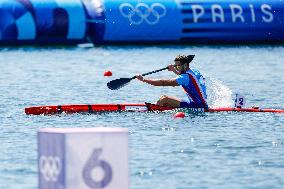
<point>240,101</point>
<point>93,163</point>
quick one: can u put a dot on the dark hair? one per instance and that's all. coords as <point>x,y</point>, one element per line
<point>184,58</point>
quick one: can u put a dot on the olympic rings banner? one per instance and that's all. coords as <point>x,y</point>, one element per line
<point>93,158</point>
<point>130,21</point>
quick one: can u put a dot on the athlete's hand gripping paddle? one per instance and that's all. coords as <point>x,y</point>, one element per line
<point>121,82</point>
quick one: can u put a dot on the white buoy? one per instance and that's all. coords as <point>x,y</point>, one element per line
<point>85,158</point>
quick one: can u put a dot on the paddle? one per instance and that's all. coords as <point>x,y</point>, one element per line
<point>119,83</point>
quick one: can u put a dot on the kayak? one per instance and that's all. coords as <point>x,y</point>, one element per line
<point>145,107</point>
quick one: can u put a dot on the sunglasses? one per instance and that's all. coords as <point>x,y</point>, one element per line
<point>180,66</point>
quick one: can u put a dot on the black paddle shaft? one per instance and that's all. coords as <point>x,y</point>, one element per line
<point>118,83</point>
<point>149,73</point>
<point>121,82</point>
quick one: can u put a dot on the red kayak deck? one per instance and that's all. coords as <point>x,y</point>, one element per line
<point>96,108</point>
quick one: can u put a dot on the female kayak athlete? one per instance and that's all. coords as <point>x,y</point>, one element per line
<point>191,81</point>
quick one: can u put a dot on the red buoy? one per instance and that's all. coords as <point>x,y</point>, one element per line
<point>179,115</point>
<point>108,73</point>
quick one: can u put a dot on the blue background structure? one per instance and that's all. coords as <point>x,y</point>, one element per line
<point>130,21</point>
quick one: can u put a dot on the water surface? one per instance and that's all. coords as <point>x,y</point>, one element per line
<point>220,150</point>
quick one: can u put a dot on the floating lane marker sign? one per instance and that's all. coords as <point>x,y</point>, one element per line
<point>85,158</point>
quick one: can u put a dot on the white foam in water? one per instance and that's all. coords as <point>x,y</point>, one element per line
<point>218,94</point>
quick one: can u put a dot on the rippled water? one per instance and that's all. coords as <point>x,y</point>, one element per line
<point>220,150</point>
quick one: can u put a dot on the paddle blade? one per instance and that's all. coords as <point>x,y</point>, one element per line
<point>118,83</point>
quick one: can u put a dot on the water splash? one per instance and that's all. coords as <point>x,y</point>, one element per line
<point>219,95</point>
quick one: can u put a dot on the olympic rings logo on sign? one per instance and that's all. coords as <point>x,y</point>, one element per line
<point>143,12</point>
<point>50,167</point>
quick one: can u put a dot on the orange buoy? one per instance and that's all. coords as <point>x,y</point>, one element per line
<point>108,73</point>
<point>179,115</point>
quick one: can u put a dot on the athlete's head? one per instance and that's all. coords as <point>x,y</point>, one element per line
<point>182,62</point>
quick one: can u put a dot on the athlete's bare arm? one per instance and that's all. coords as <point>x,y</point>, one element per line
<point>158,82</point>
